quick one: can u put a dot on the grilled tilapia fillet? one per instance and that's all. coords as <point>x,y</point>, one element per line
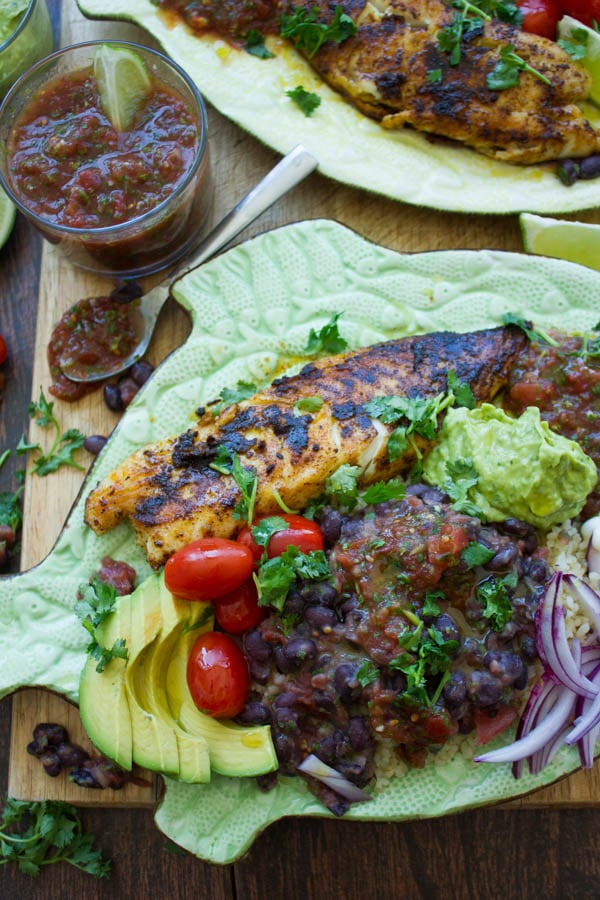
<point>394,70</point>
<point>171,495</point>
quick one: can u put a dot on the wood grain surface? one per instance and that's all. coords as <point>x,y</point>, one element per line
<point>407,856</point>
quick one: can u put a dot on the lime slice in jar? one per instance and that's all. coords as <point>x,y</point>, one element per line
<point>578,39</point>
<point>7,217</point>
<point>577,242</point>
<point>123,83</point>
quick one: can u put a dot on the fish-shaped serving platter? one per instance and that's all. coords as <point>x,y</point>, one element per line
<point>252,310</point>
<point>351,148</point>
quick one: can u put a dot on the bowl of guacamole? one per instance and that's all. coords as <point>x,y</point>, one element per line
<point>25,36</point>
<point>506,467</point>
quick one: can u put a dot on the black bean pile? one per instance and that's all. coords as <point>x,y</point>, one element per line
<point>57,753</point>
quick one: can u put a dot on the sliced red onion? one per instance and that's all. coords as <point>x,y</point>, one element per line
<point>589,718</point>
<point>312,765</point>
<point>588,598</point>
<point>551,725</point>
<point>544,756</point>
<point>553,643</point>
<point>542,692</point>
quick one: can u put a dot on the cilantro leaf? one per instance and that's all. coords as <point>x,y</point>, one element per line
<point>462,475</point>
<point>266,528</point>
<point>327,340</point>
<point>367,673</point>
<point>476,554</point>
<point>308,405</point>
<point>96,601</point>
<point>463,395</point>
<point>430,606</point>
<point>306,101</point>
<point>276,576</point>
<point>342,486</point>
<point>421,414</point>
<point>534,335</point>
<point>242,391</point>
<point>576,44</point>
<point>38,834</point>
<point>426,653</point>
<point>63,446</point>
<point>308,34</point>
<point>493,594</point>
<point>384,490</point>
<point>255,45</point>
<point>507,70</point>
<point>245,478</point>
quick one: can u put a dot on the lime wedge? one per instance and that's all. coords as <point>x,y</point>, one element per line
<point>577,242</point>
<point>7,217</point>
<point>576,33</point>
<point>123,83</point>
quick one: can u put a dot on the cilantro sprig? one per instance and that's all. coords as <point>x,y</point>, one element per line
<point>96,601</point>
<point>309,34</point>
<point>276,576</point>
<point>507,70</point>
<point>247,481</point>
<point>63,446</point>
<point>462,475</point>
<point>242,391</point>
<point>306,101</point>
<point>576,44</point>
<point>494,596</point>
<point>421,414</point>
<point>255,45</point>
<point>426,653</point>
<point>535,335</point>
<point>327,340</point>
<point>39,834</point>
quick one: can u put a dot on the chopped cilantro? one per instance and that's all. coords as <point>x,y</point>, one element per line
<point>276,576</point>
<point>36,834</point>
<point>306,101</point>
<point>420,412</point>
<point>308,405</point>
<point>493,594</point>
<point>534,335</point>
<point>96,602</point>
<point>246,480</point>
<point>242,391</point>
<point>427,653</point>
<point>475,554</point>
<point>367,673</point>
<point>342,486</point>
<point>462,475</point>
<point>326,341</point>
<point>255,45</point>
<point>63,445</point>
<point>384,490</point>
<point>576,44</point>
<point>308,34</point>
<point>507,70</point>
<point>463,395</point>
<point>431,606</point>
<point>434,76</point>
<point>266,528</point>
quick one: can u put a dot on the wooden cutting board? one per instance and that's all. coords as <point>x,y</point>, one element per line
<point>238,162</point>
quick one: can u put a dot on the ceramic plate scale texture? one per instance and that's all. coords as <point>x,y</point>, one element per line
<point>351,148</point>
<point>252,311</point>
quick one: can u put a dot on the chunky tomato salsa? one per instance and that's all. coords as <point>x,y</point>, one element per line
<point>70,166</point>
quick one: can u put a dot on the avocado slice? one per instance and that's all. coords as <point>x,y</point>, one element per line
<point>103,703</point>
<point>236,750</point>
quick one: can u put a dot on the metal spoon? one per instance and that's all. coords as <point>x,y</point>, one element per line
<point>288,172</point>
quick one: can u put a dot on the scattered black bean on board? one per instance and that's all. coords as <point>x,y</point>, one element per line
<point>56,753</point>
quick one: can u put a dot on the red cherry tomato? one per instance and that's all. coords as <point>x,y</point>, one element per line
<point>587,11</point>
<point>3,350</point>
<point>301,533</point>
<point>238,611</point>
<point>488,727</point>
<point>217,675</point>
<point>541,16</point>
<point>208,569</point>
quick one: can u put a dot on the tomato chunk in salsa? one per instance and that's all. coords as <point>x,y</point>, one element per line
<point>71,167</point>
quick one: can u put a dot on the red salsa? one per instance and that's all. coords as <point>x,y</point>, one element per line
<point>71,167</point>
<point>232,19</point>
<point>93,336</point>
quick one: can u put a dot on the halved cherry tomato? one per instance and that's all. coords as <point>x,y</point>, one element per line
<point>208,568</point>
<point>541,16</point>
<point>238,611</point>
<point>488,727</point>
<point>3,350</point>
<point>301,533</point>
<point>587,11</point>
<point>217,675</point>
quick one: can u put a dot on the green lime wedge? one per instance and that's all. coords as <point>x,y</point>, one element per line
<point>577,242</point>
<point>7,217</point>
<point>123,83</point>
<point>577,35</point>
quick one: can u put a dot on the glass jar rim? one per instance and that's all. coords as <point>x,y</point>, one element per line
<point>120,227</point>
<point>23,22</point>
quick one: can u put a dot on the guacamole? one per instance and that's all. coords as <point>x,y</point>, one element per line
<point>11,13</point>
<point>520,467</point>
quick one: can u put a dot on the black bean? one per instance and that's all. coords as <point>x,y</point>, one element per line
<point>326,749</point>
<point>528,647</point>
<point>345,683</point>
<point>49,733</point>
<point>127,389</point>
<point>538,571</point>
<point>530,543</point>
<point>417,489</point>
<point>286,719</point>
<point>359,733</point>
<point>255,713</point>
<point>455,689</point>
<point>259,671</point>
<point>508,667</point>
<point>112,397</point>
<point>293,608</point>
<point>285,700</point>
<point>84,778</point>
<point>256,647</point>
<point>34,748</point>
<point>590,166</point>
<point>503,559</point>
<point>324,701</point>
<point>94,443</point>
<point>433,497</point>
<point>141,371</point>
<point>517,527</point>
<point>71,754</point>
<point>266,782</point>
<point>105,772</point>
<point>284,747</point>
<point>471,651</point>
<point>331,525</point>
<point>568,171</point>
<point>126,290</point>
<point>353,769</point>
<point>448,627</point>
<point>51,763</point>
<point>484,689</point>
<point>320,617</point>
<point>299,651</point>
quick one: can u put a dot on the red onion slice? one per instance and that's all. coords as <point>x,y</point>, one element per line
<point>315,767</point>
<point>589,719</point>
<point>588,598</point>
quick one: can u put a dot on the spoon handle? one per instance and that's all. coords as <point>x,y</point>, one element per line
<point>287,173</point>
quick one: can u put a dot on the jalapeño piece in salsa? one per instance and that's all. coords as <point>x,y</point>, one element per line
<point>121,202</point>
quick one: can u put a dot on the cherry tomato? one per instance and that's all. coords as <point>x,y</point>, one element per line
<point>217,675</point>
<point>541,16</point>
<point>3,350</point>
<point>301,533</point>
<point>587,11</point>
<point>208,568</point>
<point>488,727</point>
<point>238,611</point>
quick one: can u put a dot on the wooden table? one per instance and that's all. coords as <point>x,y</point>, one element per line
<point>546,848</point>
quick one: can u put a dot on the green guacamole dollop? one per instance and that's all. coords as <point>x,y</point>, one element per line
<point>11,13</point>
<point>524,470</point>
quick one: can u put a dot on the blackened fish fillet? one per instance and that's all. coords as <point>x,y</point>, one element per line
<point>171,496</point>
